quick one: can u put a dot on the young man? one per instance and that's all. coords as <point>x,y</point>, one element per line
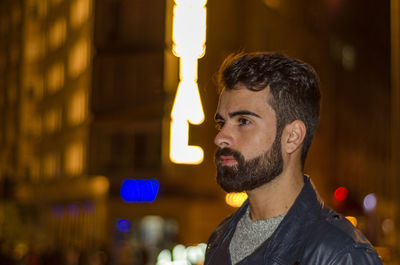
<point>267,115</point>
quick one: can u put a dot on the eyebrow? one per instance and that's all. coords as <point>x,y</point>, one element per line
<point>237,113</point>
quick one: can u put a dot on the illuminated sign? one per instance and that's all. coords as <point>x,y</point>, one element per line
<point>189,37</point>
<point>139,190</point>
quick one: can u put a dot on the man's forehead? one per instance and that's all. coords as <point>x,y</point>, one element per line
<point>241,98</point>
<point>241,94</point>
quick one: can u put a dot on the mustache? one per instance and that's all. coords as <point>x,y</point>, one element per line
<point>226,151</point>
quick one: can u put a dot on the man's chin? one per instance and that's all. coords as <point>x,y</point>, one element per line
<point>232,185</point>
<point>229,189</point>
<point>229,185</point>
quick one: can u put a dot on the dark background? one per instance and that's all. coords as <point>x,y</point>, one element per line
<point>86,91</point>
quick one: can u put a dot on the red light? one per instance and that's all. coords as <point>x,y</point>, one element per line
<point>341,194</point>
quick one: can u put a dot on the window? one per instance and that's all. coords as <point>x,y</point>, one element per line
<point>52,121</point>
<point>74,155</point>
<point>79,12</point>
<point>55,77</point>
<point>38,87</point>
<point>78,58</point>
<point>77,109</point>
<point>57,33</point>
<point>32,48</point>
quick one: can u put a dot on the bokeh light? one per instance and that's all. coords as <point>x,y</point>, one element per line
<point>387,226</point>
<point>123,225</point>
<point>183,255</point>
<point>179,252</point>
<point>341,194</point>
<point>236,199</point>
<point>353,220</point>
<point>369,202</point>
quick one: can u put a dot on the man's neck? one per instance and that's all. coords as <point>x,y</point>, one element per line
<point>275,197</point>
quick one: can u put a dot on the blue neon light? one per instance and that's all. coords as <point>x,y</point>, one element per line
<point>139,190</point>
<point>123,225</point>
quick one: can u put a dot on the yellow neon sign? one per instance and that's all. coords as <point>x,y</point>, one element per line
<point>189,37</point>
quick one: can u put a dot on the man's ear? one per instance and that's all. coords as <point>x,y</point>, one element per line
<point>294,134</point>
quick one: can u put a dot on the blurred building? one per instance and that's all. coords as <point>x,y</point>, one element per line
<point>49,123</point>
<point>86,92</point>
<point>84,106</point>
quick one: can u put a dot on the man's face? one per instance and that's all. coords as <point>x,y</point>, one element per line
<point>249,153</point>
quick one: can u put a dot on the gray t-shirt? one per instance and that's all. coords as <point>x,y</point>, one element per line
<point>249,235</point>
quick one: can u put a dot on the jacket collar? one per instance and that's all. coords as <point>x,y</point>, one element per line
<point>307,204</point>
<point>305,211</point>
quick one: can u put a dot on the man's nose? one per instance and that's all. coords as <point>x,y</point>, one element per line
<point>224,137</point>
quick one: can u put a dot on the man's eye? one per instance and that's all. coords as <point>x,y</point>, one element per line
<point>243,121</point>
<point>219,125</point>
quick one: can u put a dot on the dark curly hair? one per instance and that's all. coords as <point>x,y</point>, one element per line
<point>293,85</point>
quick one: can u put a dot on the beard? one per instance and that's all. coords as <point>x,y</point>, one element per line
<point>249,174</point>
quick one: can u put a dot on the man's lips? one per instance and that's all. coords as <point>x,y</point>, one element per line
<point>227,160</point>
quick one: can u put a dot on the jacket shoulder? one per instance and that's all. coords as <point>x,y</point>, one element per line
<point>340,242</point>
<point>218,233</point>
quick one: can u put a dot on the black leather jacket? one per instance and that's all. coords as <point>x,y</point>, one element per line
<point>310,233</point>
